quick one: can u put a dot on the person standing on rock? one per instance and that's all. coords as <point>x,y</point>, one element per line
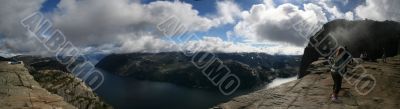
<point>336,76</point>
<point>361,57</point>
<point>383,55</point>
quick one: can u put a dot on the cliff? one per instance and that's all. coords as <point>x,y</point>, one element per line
<point>313,91</point>
<point>54,77</point>
<point>18,90</point>
<point>372,37</point>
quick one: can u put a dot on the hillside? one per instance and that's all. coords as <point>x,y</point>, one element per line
<point>253,69</point>
<point>3,59</point>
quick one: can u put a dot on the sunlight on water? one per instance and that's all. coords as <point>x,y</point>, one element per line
<point>279,81</point>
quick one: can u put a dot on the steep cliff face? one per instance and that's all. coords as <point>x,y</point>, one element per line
<point>372,37</point>
<point>54,77</point>
<point>18,90</point>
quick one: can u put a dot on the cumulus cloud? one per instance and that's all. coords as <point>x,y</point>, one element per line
<point>216,44</point>
<point>334,11</point>
<point>132,24</point>
<point>228,12</point>
<point>127,24</point>
<point>121,26</point>
<point>13,34</point>
<point>87,22</point>
<point>150,44</point>
<point>267,22</point>
<point>379,10</point>
<point>147,44</point>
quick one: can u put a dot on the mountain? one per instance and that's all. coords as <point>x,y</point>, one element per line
<point>4,59</point>
<point>372,37</point>
<point>253,69</point>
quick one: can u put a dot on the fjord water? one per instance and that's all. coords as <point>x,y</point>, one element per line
<point>279,81</point>
<point>130,93</point>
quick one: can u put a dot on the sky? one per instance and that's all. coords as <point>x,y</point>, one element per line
<point>125,26</point>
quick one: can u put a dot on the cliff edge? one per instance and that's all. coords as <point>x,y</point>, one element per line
<point>18,90</point>
<point>42,82</point>
<point>313,91</point>
<point>54,77</point>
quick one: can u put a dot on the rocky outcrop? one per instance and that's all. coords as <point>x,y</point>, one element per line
<point>18,90</point>
<point>253,69</point>
<point>368,36</point>
<point>53,76</point>
<point>313,91</point>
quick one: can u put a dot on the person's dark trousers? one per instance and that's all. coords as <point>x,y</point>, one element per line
<point>337,82</point>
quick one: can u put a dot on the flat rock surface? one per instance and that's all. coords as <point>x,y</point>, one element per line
<point>18,90</point>
<point>313,91</point>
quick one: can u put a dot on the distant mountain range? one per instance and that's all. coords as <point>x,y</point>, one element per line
<point>3,59</point>
<point>253,69</point>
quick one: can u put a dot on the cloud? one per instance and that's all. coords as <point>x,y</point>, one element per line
<point>14,36</point>
<point>127,24</point>
<point>216,44</point>
<point>147,44</point>
<point>12,11</point>
<point>344,2</point>
<point>228,12</point>
<point>88,22</point>
<point>124,26</point>
<point>379,10</point>
<point>266,22</point>
<point>334,11</point>
<point>150,44</point>
<point>132,24</point>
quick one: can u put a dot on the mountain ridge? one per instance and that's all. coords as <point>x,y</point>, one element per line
<point>174,67</point>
